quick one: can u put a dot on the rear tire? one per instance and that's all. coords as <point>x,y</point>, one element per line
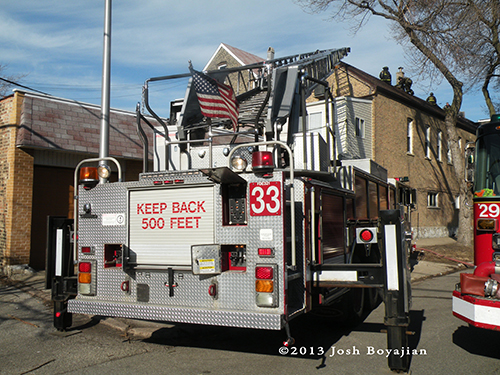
<point>354,306</point>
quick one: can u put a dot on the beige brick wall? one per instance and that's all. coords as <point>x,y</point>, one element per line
<point>16,183</point>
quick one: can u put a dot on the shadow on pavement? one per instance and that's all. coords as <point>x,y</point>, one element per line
<point>478,341</point>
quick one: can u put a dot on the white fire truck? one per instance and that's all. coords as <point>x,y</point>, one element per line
<point>247,228</point>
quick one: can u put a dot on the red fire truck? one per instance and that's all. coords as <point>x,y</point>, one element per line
<point>242,227</point>
<point>476,299</point>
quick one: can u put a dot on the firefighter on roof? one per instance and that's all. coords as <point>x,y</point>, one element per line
<point>431,99</point>
<point>385,76</point>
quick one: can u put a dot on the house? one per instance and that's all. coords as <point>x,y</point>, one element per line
<point>407,136</point>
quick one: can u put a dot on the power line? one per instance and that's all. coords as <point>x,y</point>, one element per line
<point>24,87</point>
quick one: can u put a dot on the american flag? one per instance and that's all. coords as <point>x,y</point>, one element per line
<point>216,99</point>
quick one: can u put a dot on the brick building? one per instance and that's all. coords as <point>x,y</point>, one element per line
<point>407,136</point>
<point>42,140</point>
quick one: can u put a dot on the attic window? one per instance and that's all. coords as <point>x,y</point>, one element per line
<point>222,65</point>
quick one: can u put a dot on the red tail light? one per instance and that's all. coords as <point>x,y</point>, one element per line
<point>265,273</point>
<point>84,267</point>
<point>262,160</point>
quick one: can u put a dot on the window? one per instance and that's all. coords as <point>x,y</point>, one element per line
<point>409,143</point>
<point>432,200</point>
<point>360,127</point>
<point>439,146</point>
<point>315,121</point>
<point>448,154</point>
<point>428,142</point>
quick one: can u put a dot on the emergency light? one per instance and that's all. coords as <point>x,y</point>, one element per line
<point>262,161</point>
<point>89,177</point>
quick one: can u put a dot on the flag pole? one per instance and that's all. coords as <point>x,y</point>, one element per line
<point>105,91</point>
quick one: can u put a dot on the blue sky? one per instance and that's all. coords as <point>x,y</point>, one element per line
<point>58,45</point>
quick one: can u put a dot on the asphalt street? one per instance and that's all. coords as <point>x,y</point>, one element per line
<point>442,343</point>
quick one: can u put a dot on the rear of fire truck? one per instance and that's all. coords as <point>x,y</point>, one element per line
<point>476,299</point>
<point>243,224</point>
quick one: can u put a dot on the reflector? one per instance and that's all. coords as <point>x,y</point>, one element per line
<point>366,235</point>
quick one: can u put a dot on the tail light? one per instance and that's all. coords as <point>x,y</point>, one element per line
<point>87,277</point>
<point>262,161</point>
<point>265,286</point>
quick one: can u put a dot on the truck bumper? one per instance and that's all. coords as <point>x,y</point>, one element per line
<point>180,315</point>
<point>478,312</point>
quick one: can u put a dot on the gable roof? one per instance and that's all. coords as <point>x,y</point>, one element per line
<point>244,58</point>
<point>379,87</point>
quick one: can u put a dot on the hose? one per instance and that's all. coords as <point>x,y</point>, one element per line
<point>467,264</point>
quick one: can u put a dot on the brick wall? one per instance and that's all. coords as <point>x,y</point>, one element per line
<point>16,181</point>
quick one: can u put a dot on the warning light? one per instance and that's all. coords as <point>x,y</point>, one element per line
<point>88,177</point>
<point>262,161</point>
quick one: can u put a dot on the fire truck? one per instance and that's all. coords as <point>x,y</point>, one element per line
<point>476,299</point>
<point>248,227</point>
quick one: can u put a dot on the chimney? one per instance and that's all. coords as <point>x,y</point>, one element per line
<point>270,53</point>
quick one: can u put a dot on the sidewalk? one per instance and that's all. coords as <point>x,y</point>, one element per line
<point>33,283</point>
